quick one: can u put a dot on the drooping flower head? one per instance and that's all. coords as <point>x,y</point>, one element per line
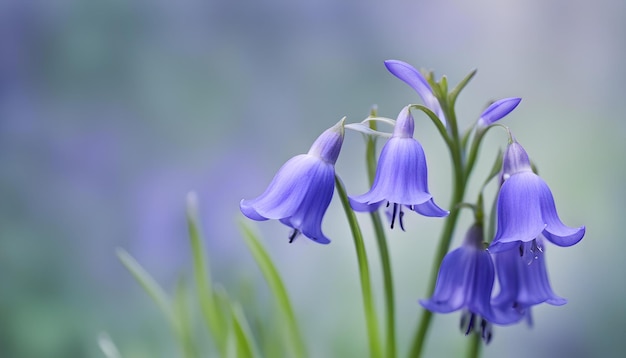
<point>302,189</point>
<point>465,281</point>
<point>401,176</point>
<point>416,80</point>
<point>525,206</point>
<point>497,110</point>
<point>523,278</point>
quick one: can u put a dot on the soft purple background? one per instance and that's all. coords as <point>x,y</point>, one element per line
<point>111,111</point>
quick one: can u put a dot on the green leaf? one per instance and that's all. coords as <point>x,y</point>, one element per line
<point>243,336</point>
<point>155,292</point>
<point>148,283</point>
<point>369,307</point>
<point>455,92</point>
<point>210,312</point>
<point>443,84</point>
<point>436,121</point>
<point>183,319</point>
<point>262,258</point>
<point>495,169</point>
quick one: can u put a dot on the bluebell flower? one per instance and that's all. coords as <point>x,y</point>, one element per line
<point>401,176</point>
<point>414,78</point>
<point>525,207</point>
<point>465,282</point>
<point>523,278</point>
<point>497,110</point>
<point>302,189</point>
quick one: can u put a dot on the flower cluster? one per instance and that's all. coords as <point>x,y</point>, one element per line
<point>301,192</point>
<point>526,215</point>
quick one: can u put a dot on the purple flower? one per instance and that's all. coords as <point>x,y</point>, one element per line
<point>525,207</point>
<point>497,110</point>
<point>301,191</point>
<point>523,278</point>
<point>401,176</point>
<point>414,78</point>
<point>465,281</point>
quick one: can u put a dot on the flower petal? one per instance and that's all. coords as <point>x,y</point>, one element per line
<point>555,231</point>
<point>360,203</point>
<point>519,210</point>
<point>523,279</point>
<point>497,110</point>
<point>430,209</point>
<point>285,193</point>
<point>249,211</point>
<point>452,281</point>
<point>401,176</point>
<point>328,145</point>
<point>308,217</point>
<point>414,78</point>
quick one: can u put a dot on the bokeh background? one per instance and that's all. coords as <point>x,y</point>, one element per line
<point>111,111</point>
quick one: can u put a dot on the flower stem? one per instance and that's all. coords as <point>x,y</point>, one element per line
<point>381,240</point>
<point>366,289</point>
<point>460,181</point>
<point>442,250</point>
<point>473,350</point>
<point>388,285</point>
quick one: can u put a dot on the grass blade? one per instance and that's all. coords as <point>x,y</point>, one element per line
<point>148,283</point>
<point>262,258</point>
<point>210,312</point>
<point>243,336</point>
<point>183,319</point>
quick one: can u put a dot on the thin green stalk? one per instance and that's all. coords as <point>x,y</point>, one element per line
<point>387,283</point>
<point>442,250</point>
<point>444,245</point>
<point>246,346</point>
<point>381,240</point>
<point>210,312</point>
<point>277,287</point>
<point>181,309</point>
<point>473,349</point>
<point>366,289</point>
<point>157,293</point>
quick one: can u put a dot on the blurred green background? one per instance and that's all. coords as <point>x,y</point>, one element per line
<point>111,111</point>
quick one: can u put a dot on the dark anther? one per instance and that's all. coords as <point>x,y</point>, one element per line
<point>293,234</point>
<point>463,319</point>
<point>397,212</point>
<point>485,331</point>
<point>467,322</point>
<point>521,249</point>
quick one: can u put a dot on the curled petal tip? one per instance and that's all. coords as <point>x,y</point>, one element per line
<point>249,211</point>
<point>564,236</point>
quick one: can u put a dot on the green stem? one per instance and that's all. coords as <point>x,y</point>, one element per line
<point>460,181</point>
<point>381,240</point>
<point>366,289</point>
<point>442,250</point>
<point>293,337</point>
<point>388,284</point>
<point>473,350</point>
<point>208,305</point>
